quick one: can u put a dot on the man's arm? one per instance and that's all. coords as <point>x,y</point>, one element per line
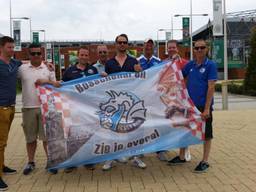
<point>48,81</point>
<point>209,97</point>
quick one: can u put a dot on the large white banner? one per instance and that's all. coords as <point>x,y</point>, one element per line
<point>94,119</point>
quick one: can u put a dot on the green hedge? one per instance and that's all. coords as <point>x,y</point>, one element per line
<point>236,88</point>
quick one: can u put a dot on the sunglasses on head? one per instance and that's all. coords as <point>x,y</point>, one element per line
<point>102,52</point>
<point>122,42</point>
<point>200,47</point>
<point>35,53</point>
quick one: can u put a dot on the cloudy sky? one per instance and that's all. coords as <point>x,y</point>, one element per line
<point>104,19</point>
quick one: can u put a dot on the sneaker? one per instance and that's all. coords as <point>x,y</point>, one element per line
<point>53,171</point>
<point>202,167</point>
<point>122,160</point>
<point>29,168</point>
<point>138,163</point>
<point>187,154</point>
<point>162,156</point>
<point>108,165</point>
<point>176,161</point>
<point>69,169</point>
<point>90,167</point>
<point>3,185</point>
<point>8,171</point>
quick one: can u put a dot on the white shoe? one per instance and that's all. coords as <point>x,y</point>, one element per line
<point>162,156</point>
<point>138,163</point>
<point>122,160</point>
<point>187,154</point>
<point>108,165</point>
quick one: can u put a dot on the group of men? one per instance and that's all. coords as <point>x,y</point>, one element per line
<point>200,75</point>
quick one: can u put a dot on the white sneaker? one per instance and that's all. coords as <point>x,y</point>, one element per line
<point>108,165</point>
<point>139,163</point>
<point>162,156</point>
<point>187,154</point>
<point>122,160</point>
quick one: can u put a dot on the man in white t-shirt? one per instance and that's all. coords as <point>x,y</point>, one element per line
<point>35,72</point>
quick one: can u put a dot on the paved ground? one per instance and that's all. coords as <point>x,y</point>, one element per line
<point>233,165</point>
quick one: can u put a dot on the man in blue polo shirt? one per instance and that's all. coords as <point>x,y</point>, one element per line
<point>8,77</point>
<point>201,75</point>
<point>147,59</point>
<point>82,68</point>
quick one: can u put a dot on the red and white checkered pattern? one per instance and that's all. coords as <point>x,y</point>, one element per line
<point>197,125</point>
<point>61,104</point>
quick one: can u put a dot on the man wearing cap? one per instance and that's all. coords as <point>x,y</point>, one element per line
<point>147,59</point>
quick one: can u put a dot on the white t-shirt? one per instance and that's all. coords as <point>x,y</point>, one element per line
<point>28,75</point>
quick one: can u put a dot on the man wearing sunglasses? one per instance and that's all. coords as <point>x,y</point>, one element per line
<point>201,75</point>
<point>122,62</point>
<point>35,72</point>
<point>102,52</point>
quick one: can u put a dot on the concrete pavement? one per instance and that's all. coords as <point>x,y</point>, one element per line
<point>232,160</point>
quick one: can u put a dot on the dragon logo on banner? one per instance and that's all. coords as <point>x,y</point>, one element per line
<point>123,112</point>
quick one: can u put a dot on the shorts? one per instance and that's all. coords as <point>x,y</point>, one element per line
<point>208,124</point>
<point>32,124</point>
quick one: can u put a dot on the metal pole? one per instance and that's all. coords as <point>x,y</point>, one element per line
<point>225,84</point>
<point>10,18</point>
<point>157,43</point>
<point>30,29</point>
<point>191,38</point>
<point>172,25</point>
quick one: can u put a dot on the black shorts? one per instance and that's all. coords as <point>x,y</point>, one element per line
<point>208,124</point>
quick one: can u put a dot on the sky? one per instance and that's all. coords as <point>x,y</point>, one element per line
<point>105,19</point>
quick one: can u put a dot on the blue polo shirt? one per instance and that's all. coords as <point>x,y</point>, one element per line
<point>197,80</point>
<point>8,79</point>
<point>74,73</point>
<point>112,65</point>
<point>147,63</point>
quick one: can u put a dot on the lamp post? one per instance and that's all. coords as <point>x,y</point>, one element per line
<point>19,18</point>
<point>225,86</point>
<point>158,39</point>
<point>191,37</point>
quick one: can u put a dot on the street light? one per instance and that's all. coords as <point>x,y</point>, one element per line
<point>191,38</point>
<point>158,39</point>
<point>225,86</point>
<point>19,18</point>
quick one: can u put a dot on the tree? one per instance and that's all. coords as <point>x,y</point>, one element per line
<point>250,78</point>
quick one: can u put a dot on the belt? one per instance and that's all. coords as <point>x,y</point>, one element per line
<point>7,107</point>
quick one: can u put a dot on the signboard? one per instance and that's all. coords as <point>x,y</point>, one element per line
<point>49,52</point>
<point>217,18</point>
<point>218,52</point>
<point>56,55</point>
<point>185,29</point>
<point>17,35</point>
<point>36,37</point>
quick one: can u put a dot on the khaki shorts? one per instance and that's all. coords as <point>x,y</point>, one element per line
<point>32,124</point>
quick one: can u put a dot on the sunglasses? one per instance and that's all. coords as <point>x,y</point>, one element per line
<point>102,52</point>
<point>199,47</point>
<point>122,42</point>
<point>35,53</point>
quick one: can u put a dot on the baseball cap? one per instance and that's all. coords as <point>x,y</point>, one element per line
<point>149,40</point>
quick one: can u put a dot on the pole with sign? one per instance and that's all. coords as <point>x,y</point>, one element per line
<point>185,29</point>
<point>17,35</point>
<point>36,37</point>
